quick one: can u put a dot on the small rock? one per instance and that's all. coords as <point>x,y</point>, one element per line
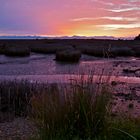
<point>130,106</point>
<point>114,83</point>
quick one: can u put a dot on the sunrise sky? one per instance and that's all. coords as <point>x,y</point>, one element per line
<point>118,18</point>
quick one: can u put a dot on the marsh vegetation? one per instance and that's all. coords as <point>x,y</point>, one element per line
<point>81,110</point>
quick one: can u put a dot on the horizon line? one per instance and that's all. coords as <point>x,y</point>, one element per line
<point>57,36</point>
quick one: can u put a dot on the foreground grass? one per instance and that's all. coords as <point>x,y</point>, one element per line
<point>80,111</point>
<point>75,113</point>
<point>127,128</point>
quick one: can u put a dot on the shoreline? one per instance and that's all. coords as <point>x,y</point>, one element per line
<point>67,78</point>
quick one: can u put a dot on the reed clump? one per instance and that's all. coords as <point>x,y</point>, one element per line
<point>17,50</point>
<point>81,110</point>
<point>75,112</point>
<point>71,55</point>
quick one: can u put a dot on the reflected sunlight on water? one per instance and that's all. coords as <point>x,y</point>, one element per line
<point>67,78</point>
<point>43,68</point>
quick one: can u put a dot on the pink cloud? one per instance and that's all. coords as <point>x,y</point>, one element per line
<point>54,17</point>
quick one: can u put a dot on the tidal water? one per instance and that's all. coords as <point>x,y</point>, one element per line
<point>41,67</point>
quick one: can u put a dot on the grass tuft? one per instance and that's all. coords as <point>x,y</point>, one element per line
<point>79,111</point>
<point>75,112</point>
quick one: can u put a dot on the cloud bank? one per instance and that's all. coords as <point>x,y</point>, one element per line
<point>74,17</point>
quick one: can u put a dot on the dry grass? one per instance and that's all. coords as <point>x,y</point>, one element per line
<point>77,111</point>
<point>80,111</point>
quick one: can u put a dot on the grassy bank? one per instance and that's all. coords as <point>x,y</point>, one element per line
<point>80,111</point>
<point>94,47</point>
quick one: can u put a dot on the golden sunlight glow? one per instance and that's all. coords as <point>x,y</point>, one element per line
<point>70,17</point>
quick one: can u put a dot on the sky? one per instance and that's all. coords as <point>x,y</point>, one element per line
<point>119,18</point>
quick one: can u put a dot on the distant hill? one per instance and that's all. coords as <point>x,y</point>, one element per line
<point>137,37</point>
<point>66,37</point>
<point>21,37</point>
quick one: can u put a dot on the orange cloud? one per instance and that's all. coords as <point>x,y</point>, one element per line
<point>70,17</point>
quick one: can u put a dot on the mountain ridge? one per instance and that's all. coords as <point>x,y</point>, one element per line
<point>66,37</point>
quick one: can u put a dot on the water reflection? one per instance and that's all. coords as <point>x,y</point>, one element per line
<point>67,78</point>
<point>43,67</point>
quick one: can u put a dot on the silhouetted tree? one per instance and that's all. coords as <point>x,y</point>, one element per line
<point>137,37</point>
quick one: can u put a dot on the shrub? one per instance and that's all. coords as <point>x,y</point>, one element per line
<point>95,51</point>
<point>137,37</point>
<point>121,51</point>
<point>14,50</point>
<point>68,55</point>
<point>49,48</point>
<point>2,48</point>
<point>74,113</point>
